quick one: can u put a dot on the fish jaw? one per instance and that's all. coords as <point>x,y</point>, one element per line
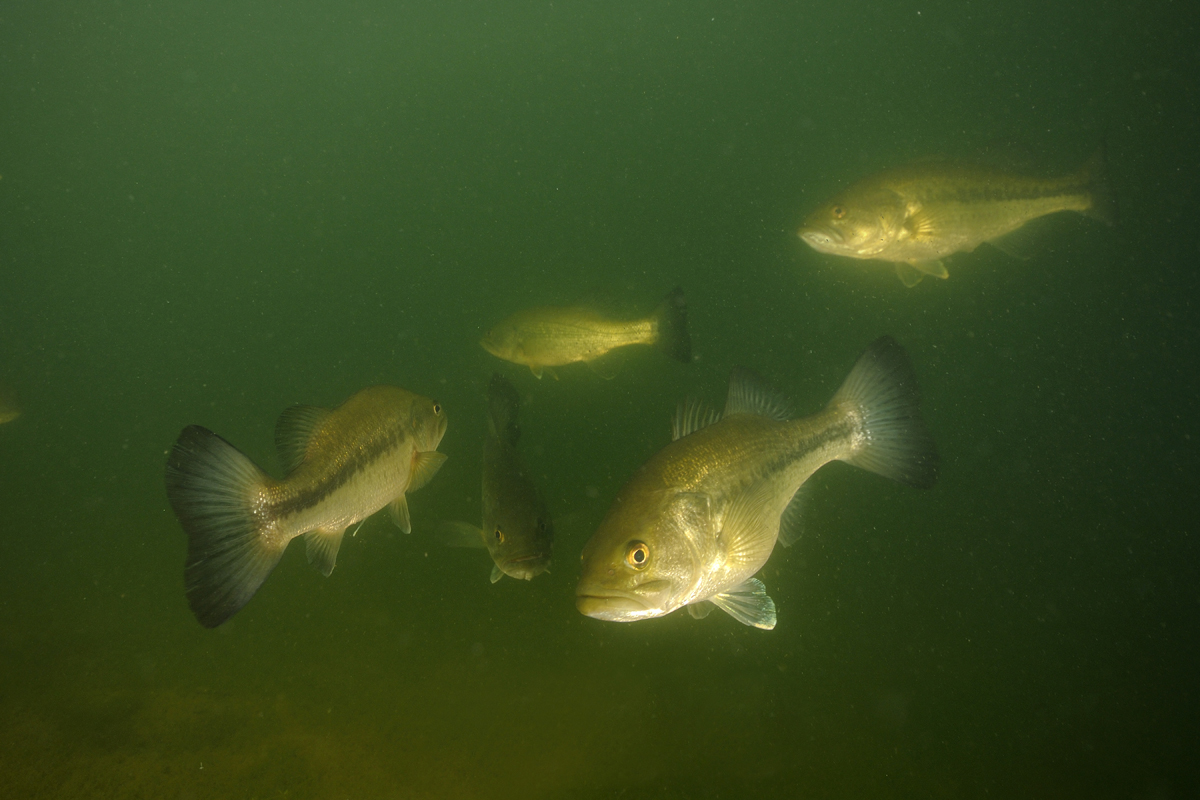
<point>616,605</point>
<point>526,567</point>
<point>823,240</point>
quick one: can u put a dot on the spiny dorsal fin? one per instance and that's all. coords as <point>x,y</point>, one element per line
<point>750,394</point>
<point>690,416</point>
<point>294,431</point>
<point>749,604</point>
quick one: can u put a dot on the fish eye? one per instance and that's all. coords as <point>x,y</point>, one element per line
<point>838,212</point>
<point>638,555</point>
<point>499,536</point>
<point>437,408</point>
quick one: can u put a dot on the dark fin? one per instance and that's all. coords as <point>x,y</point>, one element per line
<point>673,336</point>
<point>935,268</point>
<point>882,390</point>
<point>909,276</point>
<point>398,508</point>
<point>1095,174</point>
<point>294,431</point>
<point>691,416</point>
<point>497,573</point>
<point>700,610</point>
<point>749,604</point>
<point>212,486</point>
<point>504,403</point>
<point>791,523</point>
<point>425,465</point>
<point>461,534</point>
<point>322,548</point>
<point>750,394</point>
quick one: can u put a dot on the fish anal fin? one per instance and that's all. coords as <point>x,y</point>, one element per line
<point>909,276</point>
<point>321,546</point>
<point>700,610</point>
<point>398,508</point>
<point>750,394</point>
<point>791,524</point>
<point>606,366</point>
<point>424,466</point>
<point>536,369</point>
<point>690,416</point>
<point>748,603</point>
<point>294,430</point>
<point>934,268</point>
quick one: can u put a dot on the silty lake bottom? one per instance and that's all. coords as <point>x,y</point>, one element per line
<point>208,214</point>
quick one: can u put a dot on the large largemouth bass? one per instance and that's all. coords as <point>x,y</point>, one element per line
<point>701,517</point>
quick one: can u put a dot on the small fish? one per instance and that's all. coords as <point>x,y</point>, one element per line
<point>548,337</point>
<point>917,215</point>
<point>342,466</point>
<point>701,517</point>
<point>10,408</point>
<point>517,531</point>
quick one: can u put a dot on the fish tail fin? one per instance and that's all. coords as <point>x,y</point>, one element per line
<point>881,391</point>
<point>1095,175</point>
<point>212,487</point>
<point>671,321</point>
<point>504,402</point>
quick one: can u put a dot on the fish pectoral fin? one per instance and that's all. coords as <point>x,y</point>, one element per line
<point>321,546</point>
<point>748,603</point>
<point>424,466</point>
<point>399,511</point>
<point>460,534</point>
<point>909,276</point>
<point>700,610</point>
<point>497,573</point>
<point>748,534</point>
<point>935,268</point>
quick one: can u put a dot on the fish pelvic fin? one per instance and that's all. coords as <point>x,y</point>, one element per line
<point>321,547</point>
<point>748,603</point>
<point>213,487</point>
<point>504,403</point>
<point>881,391</point>
<point>934,268</point>
<point>671,322</point>
<point>909,275</point>
<point>700,610</point>
<point>1094,174</point>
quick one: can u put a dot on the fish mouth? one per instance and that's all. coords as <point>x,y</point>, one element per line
<point>820,239</point>
<point>614,605</point>
<point>525,567</point>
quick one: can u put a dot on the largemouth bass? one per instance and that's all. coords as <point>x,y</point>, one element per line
<point>917,215</point>
<point>551,336</point>
<point>342,466</point>
<point>701,517</point>
<point>517,531</point>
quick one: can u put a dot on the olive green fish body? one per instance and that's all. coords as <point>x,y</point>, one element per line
<point>342,466</point>
<point>917,215</point>
<point>702,516</point>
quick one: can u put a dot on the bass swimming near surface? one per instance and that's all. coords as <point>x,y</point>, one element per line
<point>342,466</point>
<point>552,336</point>
<point>701,517</point>
<point>915,216</point>
<point>517,531</point>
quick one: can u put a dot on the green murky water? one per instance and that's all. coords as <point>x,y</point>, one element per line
<point>209,212</point>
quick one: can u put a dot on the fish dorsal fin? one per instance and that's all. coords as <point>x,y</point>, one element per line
<point>690,416</point>
<point>295,430</point>
<point>399,511</point>
<point>750,394</point>
<point>321,546</point>
<point>748,603</point>
<point>424,466</point>
<point>791,524</point>
<point>748,535</point>
<point>497,573</point>
<point>700,610</point>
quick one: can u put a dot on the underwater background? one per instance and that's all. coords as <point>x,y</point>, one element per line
<point>212,211</point>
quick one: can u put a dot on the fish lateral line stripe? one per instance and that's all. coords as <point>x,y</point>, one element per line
<point>362,460</point>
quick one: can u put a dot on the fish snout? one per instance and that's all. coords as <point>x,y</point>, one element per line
<point>820,239</point>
